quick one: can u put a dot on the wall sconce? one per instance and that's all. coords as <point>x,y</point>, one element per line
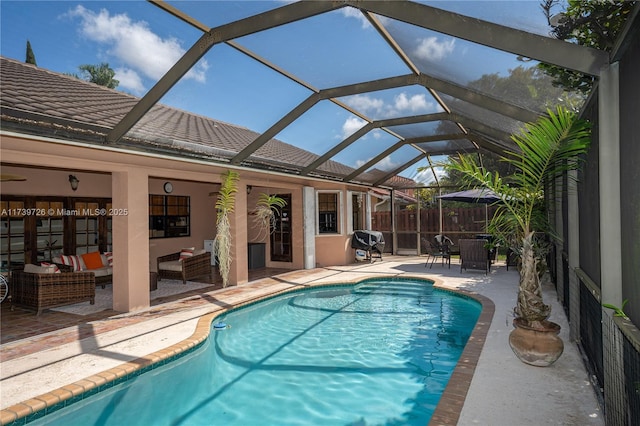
<point>249,189</point>
<point>74,182</point>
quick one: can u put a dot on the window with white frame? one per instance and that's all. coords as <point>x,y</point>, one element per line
<point>328,212</point>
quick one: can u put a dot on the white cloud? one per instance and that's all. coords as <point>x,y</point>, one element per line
<point>424,176</point>
<point>365,103</point>
<point>133,44</point>
<point>351,12</point>
<point>386,164</point>
<point>130,80</point>
<point>401,104</point>
<point>351,125</point>
<point>431,49</point>
<point>413,103</point>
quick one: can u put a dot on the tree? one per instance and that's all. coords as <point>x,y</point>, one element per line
<point>593,23</point>
<point>100,74</point>
<point>528,87</point>
<point>31,58</point>
<point>548,148</point>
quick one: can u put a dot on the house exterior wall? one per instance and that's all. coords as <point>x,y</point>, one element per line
<point>108,172</point>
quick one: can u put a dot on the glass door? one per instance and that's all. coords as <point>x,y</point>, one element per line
<point>280,238</point>
<point>87,227</point>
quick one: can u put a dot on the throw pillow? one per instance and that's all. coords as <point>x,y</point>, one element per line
<point>186,252</point>
<point>73,261</point>
<point>92,260</point>
<point>109,256</point>
<point>51,266</point>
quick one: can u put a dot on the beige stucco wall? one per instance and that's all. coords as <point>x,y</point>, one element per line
<point>110,172</point>
<point>203,218</point>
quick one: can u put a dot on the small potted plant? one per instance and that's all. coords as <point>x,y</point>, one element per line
<point>548,148</point>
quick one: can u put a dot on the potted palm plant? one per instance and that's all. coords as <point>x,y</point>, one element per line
<point>548,148</point>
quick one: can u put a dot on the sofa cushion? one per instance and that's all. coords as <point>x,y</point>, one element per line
<point>171,265</point>
<point>105,271</point>
<point>37,269</point>
<point>107,258</point>
<point>92,260</point>
<point>73,261</point>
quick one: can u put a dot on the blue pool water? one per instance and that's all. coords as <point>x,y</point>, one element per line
<point>377,353</point>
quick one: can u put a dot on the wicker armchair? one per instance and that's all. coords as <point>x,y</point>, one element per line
<point>171,267</point>
<point>474,255</point>
<point>48,290</point>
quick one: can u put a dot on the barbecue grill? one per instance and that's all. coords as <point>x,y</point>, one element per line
<point>368,245</point>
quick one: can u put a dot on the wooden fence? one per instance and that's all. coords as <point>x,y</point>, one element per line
<point>461,222</point>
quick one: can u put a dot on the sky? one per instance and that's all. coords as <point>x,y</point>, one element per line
<point>141,42</point>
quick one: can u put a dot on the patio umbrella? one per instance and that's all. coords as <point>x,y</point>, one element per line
<point>478,195</point>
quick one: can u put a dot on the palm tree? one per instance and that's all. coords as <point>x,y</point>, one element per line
<point>549,148</point>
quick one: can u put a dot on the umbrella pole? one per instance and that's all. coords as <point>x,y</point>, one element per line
<point>486,218</point>
<point>440,222</point>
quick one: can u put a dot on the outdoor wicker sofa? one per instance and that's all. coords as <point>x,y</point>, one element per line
<point>172,267</point>
<point>103,274</point>
<point>41,291</point>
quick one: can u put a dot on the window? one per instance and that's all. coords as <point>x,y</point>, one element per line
<point>169,216</point>
<point>328,203</point>
<point>50,228</point>
<point>35,229</point>
<point>87,227</point>
<point>358,210</point>
<point>12,234</point>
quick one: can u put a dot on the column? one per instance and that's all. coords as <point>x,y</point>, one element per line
<point>130,195</point>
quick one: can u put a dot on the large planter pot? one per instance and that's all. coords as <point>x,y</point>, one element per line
<point>540,346</point>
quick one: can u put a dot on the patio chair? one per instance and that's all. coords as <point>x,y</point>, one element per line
<point>474,255</point>
<point>173,267</point>
<point>434,253</point>
<point>446,244</point>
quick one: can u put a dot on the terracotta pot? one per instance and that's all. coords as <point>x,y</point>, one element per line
<point>540,345</point>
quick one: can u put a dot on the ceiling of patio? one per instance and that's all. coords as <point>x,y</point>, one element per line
<point>403,100</point>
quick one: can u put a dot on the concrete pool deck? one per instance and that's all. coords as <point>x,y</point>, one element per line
<point>502,391</point>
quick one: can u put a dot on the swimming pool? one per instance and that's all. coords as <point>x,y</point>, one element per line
<point>380,352</point>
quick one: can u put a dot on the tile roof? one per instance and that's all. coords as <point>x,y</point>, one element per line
<point>44,102</point>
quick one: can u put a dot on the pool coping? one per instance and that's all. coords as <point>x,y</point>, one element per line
<point>447,411</point>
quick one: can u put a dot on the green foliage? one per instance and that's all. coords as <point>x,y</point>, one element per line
<point>548,148</point>
<point>617,311</point>
<point>532,88</point>
<point>592,23</point>
<point>227,195</point>
<point>31,57</point>
<point>225,204</point>
<point>100,74</point>
<point>265,213</point>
